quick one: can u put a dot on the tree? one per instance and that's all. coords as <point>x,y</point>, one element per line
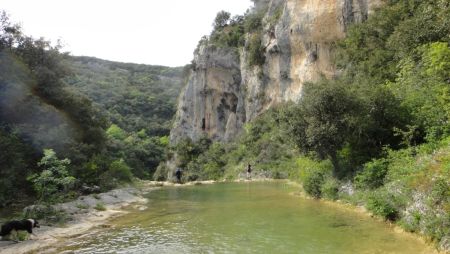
<point>324,120</point>
<point>116,132</point>
<point>54,181</point>
<point>221,20</point>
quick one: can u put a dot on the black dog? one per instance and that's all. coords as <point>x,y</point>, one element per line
<point>17,225</point>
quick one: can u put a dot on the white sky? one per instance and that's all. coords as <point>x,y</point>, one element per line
<point>158,32</point>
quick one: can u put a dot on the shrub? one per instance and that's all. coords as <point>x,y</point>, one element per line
<point>221,20</point>
<point>381,203</point>
<point>82,206</point>
<point>116,132</point>
<point>253,21</point>
<point>53,183</point>
<point>330,188</point>
<point>255,50</point>
<point>313,184</point>
<point>373,174</point>
<point>100,207</point>
<point>120,171</point>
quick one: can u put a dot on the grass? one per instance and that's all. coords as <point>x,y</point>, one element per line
<point>82,206</point>
<point>100,207</point>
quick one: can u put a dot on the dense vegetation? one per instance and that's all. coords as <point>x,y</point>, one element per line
<point>135,97</point>
<point>377,135</point>
<point>55,141</point>
<point>139,101</point>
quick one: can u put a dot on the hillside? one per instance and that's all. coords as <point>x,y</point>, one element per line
<point>134,96</point>
<point>69,124</point>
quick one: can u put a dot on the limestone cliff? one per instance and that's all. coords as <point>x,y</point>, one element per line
<point>223,92</point>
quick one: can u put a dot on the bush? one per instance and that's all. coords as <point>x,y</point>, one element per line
<point>116,132</point>
<point>255,50</point>
<point>253,21</point>
<point>100,207</point>
<point>330,188</point>
<point>382,204</point>
<point>53,183</point>
<point>373,174</point>
<point>120,171</point>
<point>313,183</point>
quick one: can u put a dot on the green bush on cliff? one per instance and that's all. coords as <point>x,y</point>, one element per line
<point>255,50</point>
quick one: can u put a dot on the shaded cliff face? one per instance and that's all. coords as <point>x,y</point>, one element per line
<point>223,92</point>
<point>211,102</point>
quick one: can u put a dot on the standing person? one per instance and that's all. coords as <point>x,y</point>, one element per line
<point>249,171</point>
<point>178,174</point>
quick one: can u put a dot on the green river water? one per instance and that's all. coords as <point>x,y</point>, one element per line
<point>243,218</point>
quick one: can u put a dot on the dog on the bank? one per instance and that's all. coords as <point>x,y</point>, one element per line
<point>18,225</point>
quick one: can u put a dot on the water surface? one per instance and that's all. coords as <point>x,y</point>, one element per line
<point>244,218</point>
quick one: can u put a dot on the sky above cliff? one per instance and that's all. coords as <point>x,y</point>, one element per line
<point>158,32</point>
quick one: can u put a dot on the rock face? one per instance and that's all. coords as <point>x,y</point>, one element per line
<point>223,93</point>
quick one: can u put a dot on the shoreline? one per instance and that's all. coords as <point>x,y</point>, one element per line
<point>361,210</point>
<point>84,218</point>
<point>49,238</point>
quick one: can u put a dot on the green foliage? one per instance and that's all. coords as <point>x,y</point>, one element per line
<point>120,171</point>
<point>100,207</point>
<point>330,189</point>
<point>209,165</point>
<point>254,21</point>
<point>313,175</point>
<point>116,132</point>
<point>275,17</point>
<point>221,20</point>
<point>382,204</point>
<point>313,182</point>
<point>39,110</point>
<point>133,96</point>
<point>229,36</point>
<point>324,120</point>
<point>373,174</point>
<point>82,206</point>
<point>14,160</point>
<point>54,182</point>
<point>422,85</point>
<point>188,151</point>
<point>255,50</point>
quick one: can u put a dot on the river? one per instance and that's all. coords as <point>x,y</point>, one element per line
<point>243,218</point>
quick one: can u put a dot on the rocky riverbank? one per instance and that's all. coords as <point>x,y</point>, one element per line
<point>85,213</point>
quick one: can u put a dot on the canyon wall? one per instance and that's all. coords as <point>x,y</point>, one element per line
<point>223,92</point>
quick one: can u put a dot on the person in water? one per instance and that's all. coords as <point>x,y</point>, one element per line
<point>178,174</point>
<point>249,171</point>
